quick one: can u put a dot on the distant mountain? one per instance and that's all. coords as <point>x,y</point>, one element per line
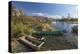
<point>42,17</point>
<point>39,17</point>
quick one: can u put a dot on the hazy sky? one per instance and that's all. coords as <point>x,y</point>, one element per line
<point>47,9</point>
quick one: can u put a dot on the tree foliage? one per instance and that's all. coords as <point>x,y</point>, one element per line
<point>21,24</point>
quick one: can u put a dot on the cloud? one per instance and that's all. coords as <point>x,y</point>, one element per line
<point>38,14</point>
<point>46,15</point>
<point>56,16</point>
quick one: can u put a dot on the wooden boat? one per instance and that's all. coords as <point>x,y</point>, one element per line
<point>34,43</point>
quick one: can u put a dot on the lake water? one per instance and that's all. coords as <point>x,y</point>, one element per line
<point>68,35</point>
<point>63,26</point>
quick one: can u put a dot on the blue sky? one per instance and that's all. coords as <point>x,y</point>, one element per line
<point>47,9</point>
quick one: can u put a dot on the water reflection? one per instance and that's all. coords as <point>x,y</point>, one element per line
<point>63,26</point>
